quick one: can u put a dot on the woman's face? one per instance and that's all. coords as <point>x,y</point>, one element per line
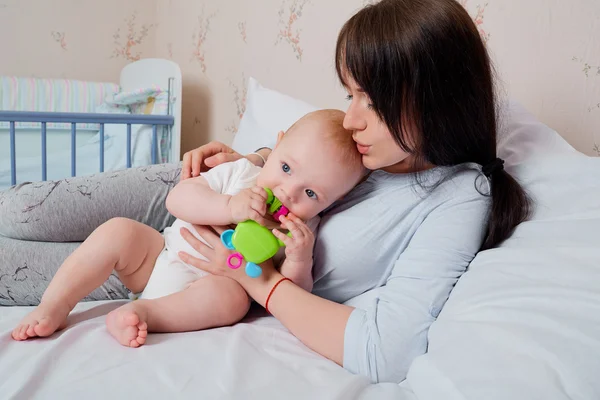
<point>373,138</point>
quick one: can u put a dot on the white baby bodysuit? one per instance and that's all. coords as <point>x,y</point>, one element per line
<point>171,274</point>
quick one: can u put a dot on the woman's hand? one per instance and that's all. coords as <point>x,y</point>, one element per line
<point>318,323</point>
<point>206,157</point>
<point>215,153</point>
<point>217,254</point>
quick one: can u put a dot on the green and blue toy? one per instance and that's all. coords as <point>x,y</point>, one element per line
<point>252,241</point>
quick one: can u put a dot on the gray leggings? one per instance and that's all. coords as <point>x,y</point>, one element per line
<point>42,223</point>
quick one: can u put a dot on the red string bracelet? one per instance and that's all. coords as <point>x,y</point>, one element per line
<point>272,290</point>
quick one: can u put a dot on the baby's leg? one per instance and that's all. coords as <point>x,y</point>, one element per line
<point>120,244</point>
<point>211,301</point>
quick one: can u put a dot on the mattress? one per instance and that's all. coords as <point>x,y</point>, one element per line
<point>255,359</point>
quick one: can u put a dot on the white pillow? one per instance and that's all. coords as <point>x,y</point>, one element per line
<point>267,113</point>
<point>523,137</point>
<point>524,321</point>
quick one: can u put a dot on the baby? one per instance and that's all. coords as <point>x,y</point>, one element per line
<point>313,164</point>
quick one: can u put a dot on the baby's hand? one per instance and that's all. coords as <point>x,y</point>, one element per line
<point>249,204</point>
<point>299,247</point>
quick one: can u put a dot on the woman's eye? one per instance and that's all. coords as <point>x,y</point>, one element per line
<point>311,194</point>
<point>349,97</point>
<point>285,168</point>
<point>370,106</point>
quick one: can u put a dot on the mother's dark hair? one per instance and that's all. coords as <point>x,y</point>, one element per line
<point>426,70</point>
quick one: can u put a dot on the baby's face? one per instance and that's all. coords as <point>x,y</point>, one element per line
<point>305,175</point>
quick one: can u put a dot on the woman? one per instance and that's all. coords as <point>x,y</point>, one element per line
<point>422,109</point>
<point>423,114</point>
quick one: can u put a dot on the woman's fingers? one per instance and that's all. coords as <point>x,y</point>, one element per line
<point>197,244</point>
<point>196,162</point>
<point>219,229</point>
<point>212,238</point>
<point>205,157</point>
<point>193,261</point>
<point>186,168</point>
<point>223,157</point>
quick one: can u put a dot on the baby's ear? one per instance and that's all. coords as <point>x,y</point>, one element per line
<point>279,137</point>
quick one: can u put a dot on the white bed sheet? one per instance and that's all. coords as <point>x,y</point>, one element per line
<point>256,359</point>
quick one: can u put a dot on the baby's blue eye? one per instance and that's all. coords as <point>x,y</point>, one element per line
<point>311,194</point>
<point>285,168</point>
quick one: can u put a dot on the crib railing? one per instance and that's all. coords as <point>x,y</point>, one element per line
<point>13,117</point>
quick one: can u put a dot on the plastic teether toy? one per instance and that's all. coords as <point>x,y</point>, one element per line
<point>252,241</point>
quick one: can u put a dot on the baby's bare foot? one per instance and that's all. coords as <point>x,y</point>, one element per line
<point>46,319</point>
<point>128,325</point>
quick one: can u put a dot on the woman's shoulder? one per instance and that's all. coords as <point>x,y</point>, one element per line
<point>451,189</point>
<point>462,181</point>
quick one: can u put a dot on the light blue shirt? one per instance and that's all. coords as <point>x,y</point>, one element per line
<point>395,251</point>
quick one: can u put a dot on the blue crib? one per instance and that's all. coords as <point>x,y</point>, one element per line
<point>64,135</point>
<point>73,118</point>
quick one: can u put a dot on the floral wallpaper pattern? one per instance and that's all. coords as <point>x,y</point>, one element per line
<point>288,45</point>
<point>289,13</point>
<point>133,36</point>
<point>587,68</point>
<point>199,39</point>
<point>478,18</point>
<point>239,99</point>
<point>242,29</point>
<point>59,37</point>
<point>592,72</point>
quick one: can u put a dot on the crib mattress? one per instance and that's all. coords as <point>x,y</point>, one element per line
<point>28,151</point>
<point>256,359</point>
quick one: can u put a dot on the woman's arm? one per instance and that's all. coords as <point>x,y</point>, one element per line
<point>390,324</point>
<point>299,272</point>
<point>318,323</point>
<point>215,153</point>
<point>386,328</point>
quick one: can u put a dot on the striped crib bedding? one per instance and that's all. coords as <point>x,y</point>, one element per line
<point>53,95</point>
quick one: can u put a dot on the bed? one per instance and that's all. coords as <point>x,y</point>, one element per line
<point>523,323</point>
<point>134,123</point>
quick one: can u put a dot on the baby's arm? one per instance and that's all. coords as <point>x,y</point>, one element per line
<point>193,201</point>
<point>298,251</point>
<point>300,272</point>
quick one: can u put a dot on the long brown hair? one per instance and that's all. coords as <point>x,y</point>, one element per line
<point>426,70</point>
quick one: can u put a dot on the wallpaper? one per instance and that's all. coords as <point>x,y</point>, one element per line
<point>547,52</point>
